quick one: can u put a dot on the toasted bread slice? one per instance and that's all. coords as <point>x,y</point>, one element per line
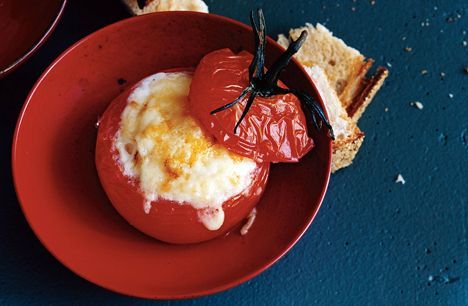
<point>348,137</point>
<point>345,67</point>
<point>166,5</point>
<point>340,74</point>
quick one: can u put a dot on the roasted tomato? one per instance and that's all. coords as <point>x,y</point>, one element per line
<point>274,130</point>
<point>248,109</point>
<point>167,220</point>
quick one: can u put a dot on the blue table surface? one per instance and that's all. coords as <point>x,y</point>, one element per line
<point>374,242</point>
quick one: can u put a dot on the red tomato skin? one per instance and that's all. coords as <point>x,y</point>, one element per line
<point>167,221</point>
<point>272,131</point>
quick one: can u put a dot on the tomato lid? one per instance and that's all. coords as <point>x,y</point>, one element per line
<point>273,130</point>
<point>248,109</point>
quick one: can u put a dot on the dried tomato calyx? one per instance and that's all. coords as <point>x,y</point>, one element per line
<point>266,84</point>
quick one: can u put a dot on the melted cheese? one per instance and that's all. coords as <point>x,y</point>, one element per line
<point>163,146</point>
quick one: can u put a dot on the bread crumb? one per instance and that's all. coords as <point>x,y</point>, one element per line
<point>389,65</point>
<point>465,44</point>
<point>442,75</point>
<point>417,104</point>
<point>372,2</point>
<point>450,95</point>
<point>424,71</point>
<point>450,19</point>
<point>400,179</point>
<point>386,109</point>
<point>408,49</point>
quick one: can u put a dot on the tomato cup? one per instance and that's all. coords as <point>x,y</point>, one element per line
<point>167,220</point>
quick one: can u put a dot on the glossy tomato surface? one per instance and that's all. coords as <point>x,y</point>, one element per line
<point>168,221</point>
<point>274,129</point>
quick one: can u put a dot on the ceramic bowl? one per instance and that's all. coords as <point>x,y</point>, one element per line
<point>60,192</point>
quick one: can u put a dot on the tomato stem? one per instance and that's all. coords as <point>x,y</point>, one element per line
<point>231,104</point>
<point>272,76</point>
<point>256,68</point>
<point>313,108</point>
<point>252,97</point>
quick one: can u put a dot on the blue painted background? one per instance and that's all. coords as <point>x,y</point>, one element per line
<point>374,242</point>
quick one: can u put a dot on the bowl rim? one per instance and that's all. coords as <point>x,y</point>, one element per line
<point>45,36</point>
<point>200,293</point>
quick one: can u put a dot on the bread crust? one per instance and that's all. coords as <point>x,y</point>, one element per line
<point>368,88</point>
<point>345,150</point>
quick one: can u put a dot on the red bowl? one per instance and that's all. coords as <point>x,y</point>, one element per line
<point>60,193</point>
<point>24,27</point>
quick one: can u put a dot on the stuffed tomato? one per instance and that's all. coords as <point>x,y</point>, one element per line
<point>161,170</point>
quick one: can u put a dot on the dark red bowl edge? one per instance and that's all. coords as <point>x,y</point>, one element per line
<point>22,59</point>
